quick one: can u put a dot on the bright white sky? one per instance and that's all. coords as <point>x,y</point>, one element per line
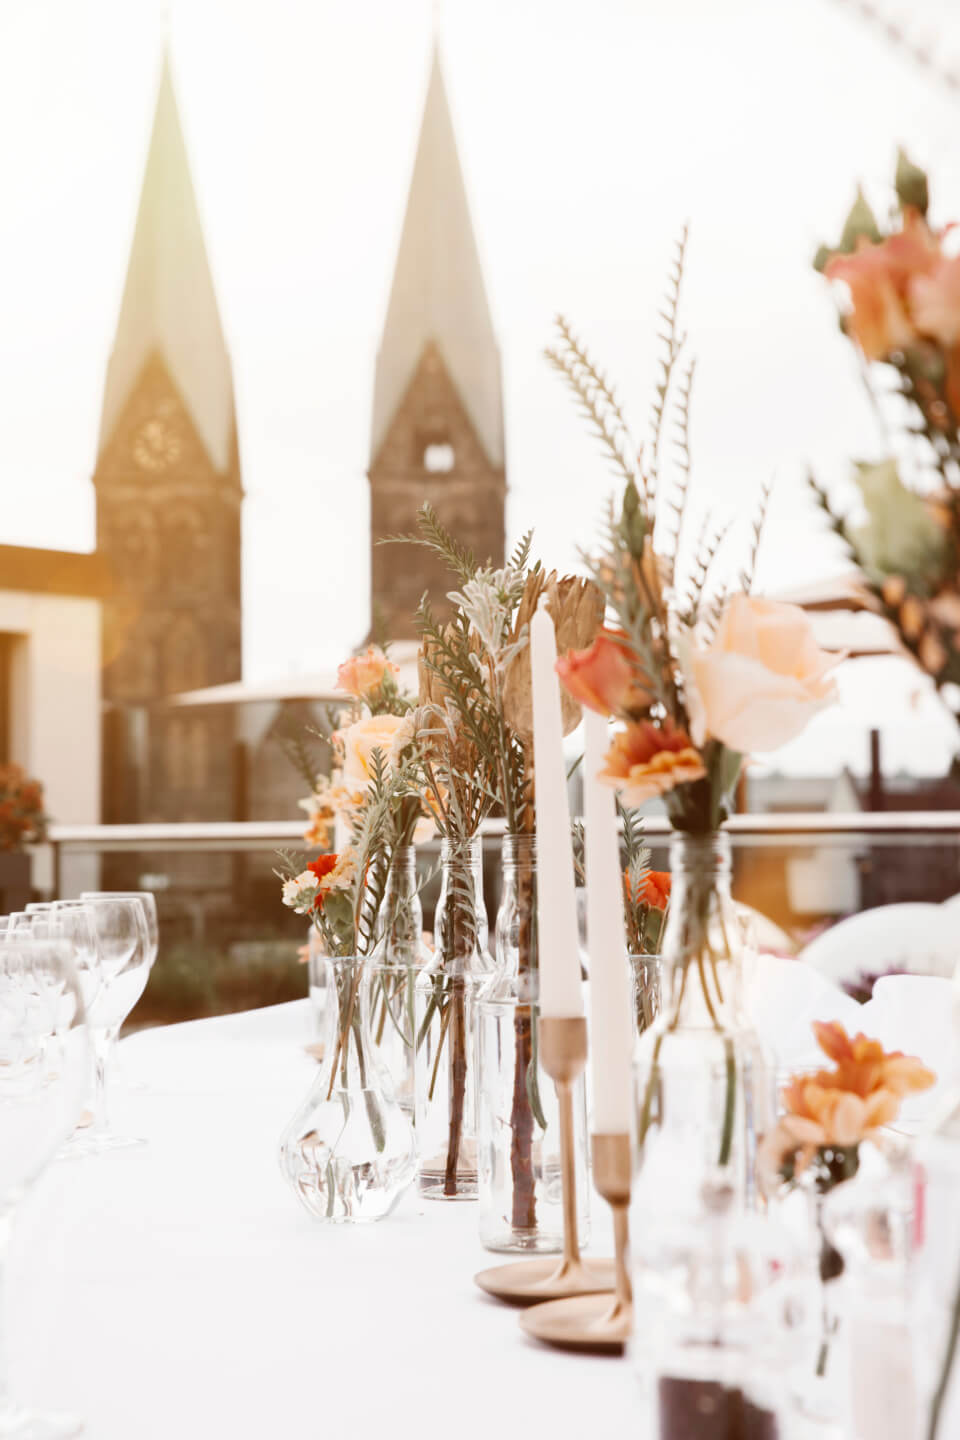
<point>588,133</point>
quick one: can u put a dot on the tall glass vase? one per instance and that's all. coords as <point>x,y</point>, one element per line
<point>519,1143</point>
<point>704,1088</point>
<point>398,958</point>
<point>349,1151</point>
<point>446,996</point>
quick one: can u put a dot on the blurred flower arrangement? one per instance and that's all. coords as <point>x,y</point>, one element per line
<point>900,289</point>
<point>828,1116</point>
<point>22,819</point>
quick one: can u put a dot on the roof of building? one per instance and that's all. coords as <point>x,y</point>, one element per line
<point>438,291</point>
<point>53,572</point>
<point>169,303</point>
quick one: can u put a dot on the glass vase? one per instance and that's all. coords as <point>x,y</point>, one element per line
<point>704,1088</point>
<point>349,1151</point>
<point>935,1273</point>
<point>521,1207</point>
<point>398,958</point>
<point>446,996</point>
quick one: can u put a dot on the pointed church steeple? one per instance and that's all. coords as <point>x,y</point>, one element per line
<point>437,431</point>
<point>169,305</point>
<point>168,502</point>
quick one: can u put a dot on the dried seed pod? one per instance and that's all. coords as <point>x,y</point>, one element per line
<point>576,607</point>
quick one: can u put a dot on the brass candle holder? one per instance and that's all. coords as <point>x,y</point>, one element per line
<point>563,1055</point>
<point>594,1322</point>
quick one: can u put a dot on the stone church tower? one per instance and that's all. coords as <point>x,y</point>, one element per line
<point>168,508</point>
<point>437,409</point>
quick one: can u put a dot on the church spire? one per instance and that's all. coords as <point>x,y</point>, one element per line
<point>437,431</point>
<point>169,305</point>
<point>438,292</point>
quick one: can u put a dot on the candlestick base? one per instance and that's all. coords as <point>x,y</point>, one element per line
<point>589,1323</point>
<point>531,1282</point>
<point>596,1322</point>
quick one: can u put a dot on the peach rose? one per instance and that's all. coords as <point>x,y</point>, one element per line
<point>880,278</point>
<point>360,740</point>
<point>646,760</point>
<point>362,674</point>
<point>760,680</point>
<point>935,301</point>
<point>604,677</point>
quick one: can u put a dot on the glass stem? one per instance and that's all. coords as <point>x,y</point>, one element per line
<point>102,1046</point>
<point>6,1227</point>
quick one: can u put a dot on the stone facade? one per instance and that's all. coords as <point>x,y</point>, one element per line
<point>432,453</point>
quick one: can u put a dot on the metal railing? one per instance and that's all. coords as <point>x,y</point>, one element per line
<point>922,826</point>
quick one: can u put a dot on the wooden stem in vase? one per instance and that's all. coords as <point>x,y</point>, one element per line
<point>563,1055</point>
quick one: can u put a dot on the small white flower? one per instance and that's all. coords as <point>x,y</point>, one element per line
<point>300,892</point>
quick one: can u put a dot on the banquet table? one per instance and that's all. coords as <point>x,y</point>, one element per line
<point>179,1291</point>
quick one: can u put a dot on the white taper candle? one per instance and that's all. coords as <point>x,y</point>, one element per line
<point>561,994</point>
<point>611,1028</point>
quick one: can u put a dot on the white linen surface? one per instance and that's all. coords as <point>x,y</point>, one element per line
<point>179,1292</point>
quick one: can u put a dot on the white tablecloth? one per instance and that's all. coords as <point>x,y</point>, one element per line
<point>179,1291</point>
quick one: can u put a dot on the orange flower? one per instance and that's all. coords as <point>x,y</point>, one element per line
<point>646,760</point>
<point>606,676</point>
<point>864,1067</point>
<point>935,301</point>
<point>839,1108</point>
<point>323,866</point>
<point>362,674</point>
<point>657,889</point>
<point>879,278</point>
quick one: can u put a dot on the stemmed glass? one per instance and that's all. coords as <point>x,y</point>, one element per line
<point>44,1061</point>
<point>122,945</point>
<point>118,1074</point>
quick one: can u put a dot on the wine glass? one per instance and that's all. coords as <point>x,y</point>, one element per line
<point>122,943</point>
<point>44,1063</point>
<point>147,898</point>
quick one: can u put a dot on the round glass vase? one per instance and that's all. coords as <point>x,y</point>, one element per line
<point>349,1151</point>
<point>521,1207</point>
<point>704,1088</point>
<point>398,957</point>
<point>446,995</point>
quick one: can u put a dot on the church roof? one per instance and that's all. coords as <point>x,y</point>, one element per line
<point>169,303</point>
<point>53,572</point>
<point>438,291</point>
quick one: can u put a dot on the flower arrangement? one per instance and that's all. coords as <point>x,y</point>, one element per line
<point>22,819</point>
<point>830,1114</point>
<point>696,675</point>
<point>900,296</point>
<point>472,738</point>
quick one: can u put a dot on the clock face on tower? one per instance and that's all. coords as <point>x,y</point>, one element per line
<point>155,446</point>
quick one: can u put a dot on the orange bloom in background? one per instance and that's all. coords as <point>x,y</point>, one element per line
<point>935,301</point>
<point>323,866</point>
<point>656,889</point>
<point>604,677</point>
<point>879,278</point>
<point>839,1108</point>
<point>863,1066</point>
<point>362,674</point>
<point>646,760</point>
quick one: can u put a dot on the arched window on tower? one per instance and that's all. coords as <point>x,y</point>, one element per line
<point>435,452</point>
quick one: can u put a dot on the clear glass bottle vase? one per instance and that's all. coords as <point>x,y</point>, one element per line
<point>521,1205</point>
<point>446,996</point>
<point>398,957</point>
<point>349,1151</point>
<point>703,1084</point>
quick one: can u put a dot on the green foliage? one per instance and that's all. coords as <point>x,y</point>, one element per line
<point>435,537</point>
<point>900,536</point>
<point>911,183</point>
